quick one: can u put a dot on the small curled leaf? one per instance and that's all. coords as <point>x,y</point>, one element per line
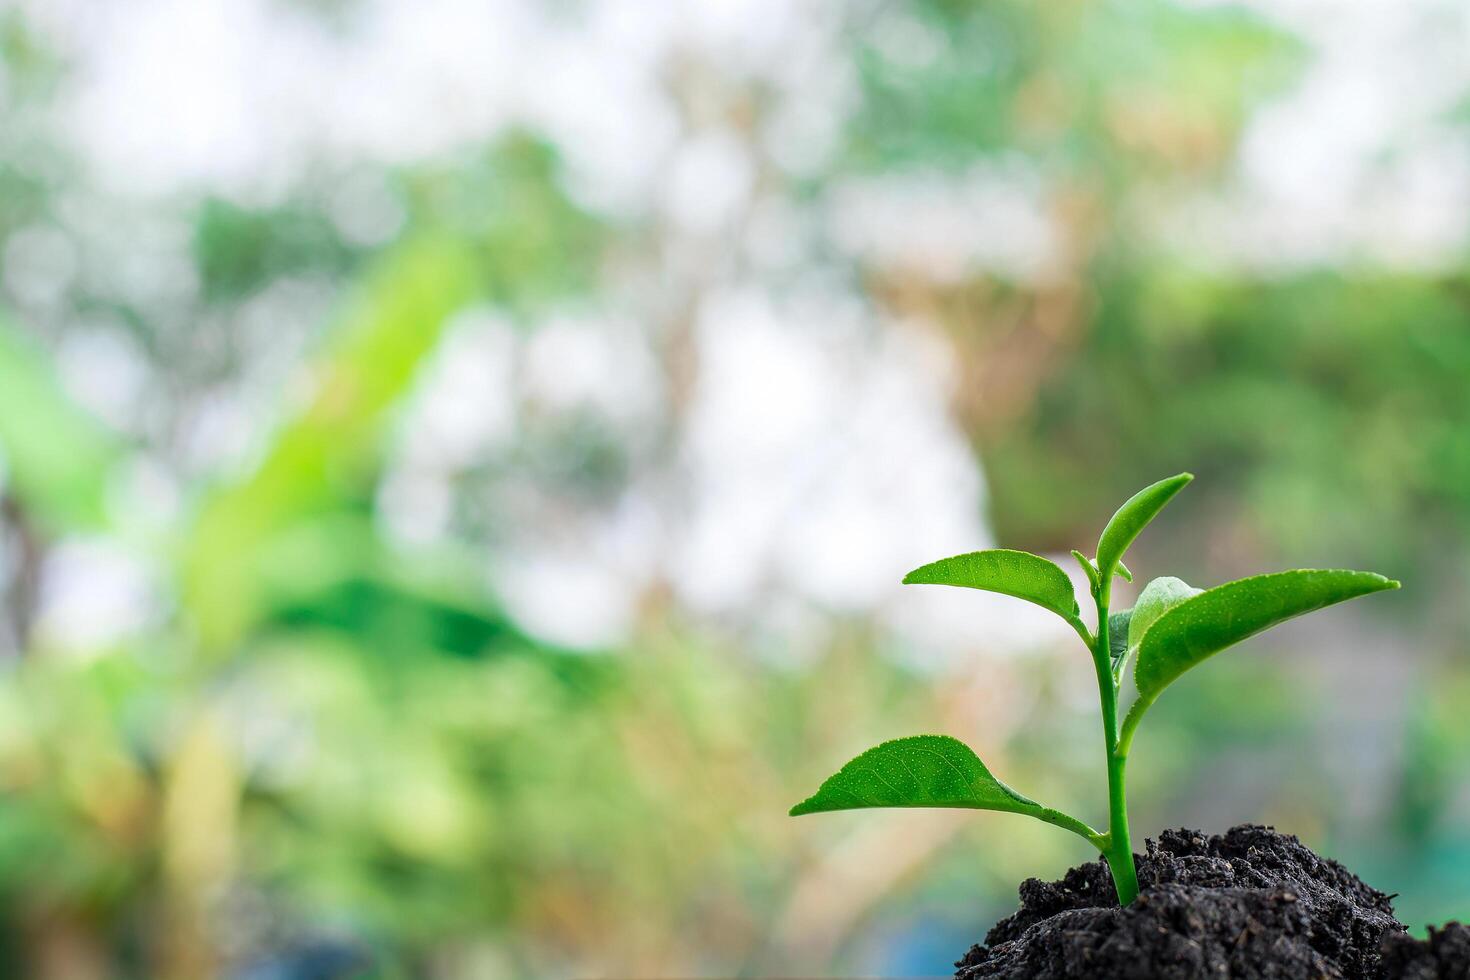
<point>1157,598</point>
<point>1014,573</point>
<point>1088,569</point>
<point>1118,635</point>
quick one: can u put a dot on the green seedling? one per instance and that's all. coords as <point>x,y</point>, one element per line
<point>1171,628</point>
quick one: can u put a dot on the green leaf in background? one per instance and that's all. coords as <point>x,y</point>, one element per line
<point>1205,624</point>
<point>1132,518</point>
<point>922,770</point>
<point>54,455</point>
<point>1157,598</point>
<point>1015,573</point>
<point>327,454</point>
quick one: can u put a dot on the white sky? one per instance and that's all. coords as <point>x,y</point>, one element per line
<point>236,94</point>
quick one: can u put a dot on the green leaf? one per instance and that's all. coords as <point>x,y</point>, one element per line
<point>1204,624</point>
<point>1118,633</point>
<point>1122,571</point>
<point>1088,568</point>
<point>923,770</point>
<point>1016,573</point>
<point>1131,518</point>
<point>1157,598</point>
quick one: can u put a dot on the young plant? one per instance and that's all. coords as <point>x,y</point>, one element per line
<point>1170,629</point>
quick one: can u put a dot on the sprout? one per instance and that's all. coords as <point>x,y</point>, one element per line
<point>1171,628</point>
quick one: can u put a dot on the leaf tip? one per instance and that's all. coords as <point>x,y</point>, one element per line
<point>1381,583</point>
<point>1177,482</point>
<point>924,574</point>
<point>812,804</point>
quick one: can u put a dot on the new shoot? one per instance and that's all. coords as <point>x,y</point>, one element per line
<point>1171,628</point>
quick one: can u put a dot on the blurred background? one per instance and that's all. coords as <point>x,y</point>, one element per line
<point>457,458</point>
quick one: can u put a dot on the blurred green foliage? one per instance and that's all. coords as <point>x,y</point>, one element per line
<point>1331,411</point>
<point>327,457</point>
<point>1108,92</point>
<point>56,457</point>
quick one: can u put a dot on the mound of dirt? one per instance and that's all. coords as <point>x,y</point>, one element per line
<point>1445,955</point>
<point>1250,903</point>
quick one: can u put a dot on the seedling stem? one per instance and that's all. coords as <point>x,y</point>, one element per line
<point>1119,846</point>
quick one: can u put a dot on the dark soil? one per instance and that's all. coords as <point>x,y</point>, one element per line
<point>1445,954</point>
<point>1250,903</point>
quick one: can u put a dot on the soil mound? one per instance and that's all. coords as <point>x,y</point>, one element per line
<point>1250,903</point>
<point>1445,955</point>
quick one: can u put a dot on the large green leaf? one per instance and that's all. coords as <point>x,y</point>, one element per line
<point>1131,518</point>
<point>923,770</point>
<point>1016,573</point>
<point>1204,624</point>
